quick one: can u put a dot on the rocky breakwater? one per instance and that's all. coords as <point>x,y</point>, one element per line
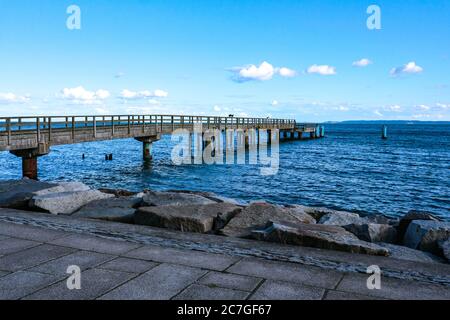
<point>417,236</point>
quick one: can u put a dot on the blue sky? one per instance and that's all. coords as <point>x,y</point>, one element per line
<point>284,58</point>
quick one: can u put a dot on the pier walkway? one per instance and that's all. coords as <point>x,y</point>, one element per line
<point>120,261</point>
<point>32,137</point>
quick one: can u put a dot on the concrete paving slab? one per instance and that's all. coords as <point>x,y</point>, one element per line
<point>279,290</point>
<point>96,244</point>
<point>32,257</point>
<point>82,259</point>
<point>203,292</point>
<point>11,245</point>
<point>191,258</point>
<point>29,232</point>
<point>19,284</point>
<point>128,265</point>
<point>160,283</point>
<point>290,272</point>
<point>230,281</point>
<point>394,288</point>
<point>94,282</point>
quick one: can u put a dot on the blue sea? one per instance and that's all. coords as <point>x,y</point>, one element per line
<point>352,168</point>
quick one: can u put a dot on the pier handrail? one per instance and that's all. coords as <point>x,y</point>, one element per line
<point>23,123</point>
<point>37,125</point>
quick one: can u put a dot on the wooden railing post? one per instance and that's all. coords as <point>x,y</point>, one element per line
<point>38,130</point>
<point>73,128</point>
<point>129,126</point>
<point>112,126</point>
<point>49,129</point>
<point>94,125</point>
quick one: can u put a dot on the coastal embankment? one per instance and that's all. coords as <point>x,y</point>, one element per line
<point>223,240</point>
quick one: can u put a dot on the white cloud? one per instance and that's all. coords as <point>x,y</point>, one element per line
<point>263,72</point>
<point>362,63</point>
<point>286,72</point>
<point>378,113</point>
<point>423,107</point>
<point>443,106</point>
<point>409,68</point>
<point>119,75</point>
<point>154,102</point>
<point>128,94</point>
<point>344,108</point>
<point>324,70</point>
<point>217,109</point>
<point>82,96</point>
<point>13,98</point>
<point>427,116</point>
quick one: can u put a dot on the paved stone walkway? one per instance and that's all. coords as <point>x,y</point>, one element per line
<point>34,261</point>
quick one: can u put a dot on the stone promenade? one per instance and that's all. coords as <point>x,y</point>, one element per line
<point>133,262</point>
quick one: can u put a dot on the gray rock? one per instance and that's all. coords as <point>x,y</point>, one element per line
<point>115,209</point>
<point>445,247</point>
<point>410,216</point>
<point>212,196</point>
<point>317,236</point>
<point>341,218</point>
<point>316,212</point>
<point>381,219</point>
<point>189,218</point>
<point>425,235</point>
<point>257,214</point>
<point>66,202</point>
<point>373,232</point>
<point>405,253</point>
<point>16,194</point>
<point>152,198</point>
<point>118,192</point>
<point>64,187</point>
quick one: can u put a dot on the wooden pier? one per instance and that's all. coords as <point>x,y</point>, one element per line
<point>32,137</point>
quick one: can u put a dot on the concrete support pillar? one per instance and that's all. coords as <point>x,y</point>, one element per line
<point>269,136</point>
<point>292,137</point>
<point>30,160</point>
<point>312,134</point>
<point>299,135</point>
<point>246,136</point>
<point>147,146</point>
<point>147,150</point>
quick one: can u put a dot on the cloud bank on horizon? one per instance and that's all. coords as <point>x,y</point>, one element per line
<point>312,62</point>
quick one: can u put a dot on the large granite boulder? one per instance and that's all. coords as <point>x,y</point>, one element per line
<point>425,235</point>
<point>190,218</point>
<point>405,253</point>
<point>152,198</point>
<point>341,218</point>
<point>317,236</point>
<point>16,194</point>
<point>212,196</point>
<point>373,232</point>
<point>445,247</point>
<point>66,202</point>
<point>257,214</point>
<point>120,209</point>
<point>411,216</point>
